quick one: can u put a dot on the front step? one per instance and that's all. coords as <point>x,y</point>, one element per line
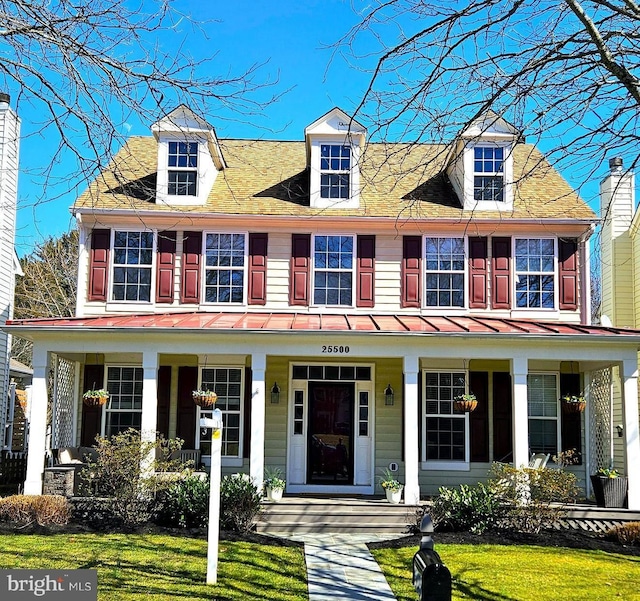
<point>296,515</point>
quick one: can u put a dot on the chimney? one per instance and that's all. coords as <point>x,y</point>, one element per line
<point>615,164</point>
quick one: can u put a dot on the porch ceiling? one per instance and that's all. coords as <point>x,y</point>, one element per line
<point>302,322</point>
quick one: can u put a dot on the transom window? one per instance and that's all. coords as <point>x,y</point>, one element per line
<point>445,431</point>
<point>543,404</point>
<point>444,277</point>
<point>488,176</point>
<point>183,165</point>
<point>132,262</point>
<point>124,407</point>
<point>333,270</point>
<point>227,383</point>
<point>335,168</point>
<point>535,273</point>
<point>224,268</point>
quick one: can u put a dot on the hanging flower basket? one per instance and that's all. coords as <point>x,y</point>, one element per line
<point>465,403</point>
<point>573,404</point>
<point>204,398</point>
<point>95,398</point>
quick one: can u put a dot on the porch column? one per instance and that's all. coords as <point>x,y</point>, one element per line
<point>519,371</point>
<point>411,442</point>
<point>258,399</point>
<point>632,443</point>
<point>149,419</point>
<point>37,423</point>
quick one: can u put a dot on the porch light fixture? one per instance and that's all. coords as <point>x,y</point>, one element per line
<point>620,429</point>
<point>275,393</point>
<point>388,395</point>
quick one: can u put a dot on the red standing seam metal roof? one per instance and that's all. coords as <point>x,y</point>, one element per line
<point>304,322</point>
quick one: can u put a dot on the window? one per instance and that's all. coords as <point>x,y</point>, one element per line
<point>335,167</point>
<point>444,276</point>
<point>227,383</point>
<point>488,175</point>
<point>224,268</point>
<point>132,261</point>
<point>543,404</point>
<point>124,407</point>
<point>333,270</point>
<point>183,168</point>
<point>445,432</point>
<point>535,273</point>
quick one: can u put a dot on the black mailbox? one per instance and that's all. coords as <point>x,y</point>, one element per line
<point>431,578</point>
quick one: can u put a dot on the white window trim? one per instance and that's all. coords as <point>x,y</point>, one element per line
<point>112,266</point>
<point>465,273</point>
<point>514,271</point>
<point>184,169</point>
<point>103,420</point>
<point>435,464</point>
<point>316,201</point>
<point>353,270</point>
<point>245,269</point>
<point>470,203</point>
<point>558,417</point>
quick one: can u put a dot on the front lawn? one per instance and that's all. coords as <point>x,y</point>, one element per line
<point>143,566</point>
<point>523,573</point>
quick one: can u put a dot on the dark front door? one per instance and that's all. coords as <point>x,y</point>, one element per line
<point>330,442</point>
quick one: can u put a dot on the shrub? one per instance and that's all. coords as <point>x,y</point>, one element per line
<point>185,503</point>
<point>239,503</point>
<point>45,510</point>
<point>472,508</point>
<point>625,534</point>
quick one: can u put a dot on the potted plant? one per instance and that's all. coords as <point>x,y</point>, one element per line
<point>96,397</point>
<point>391,486</point>
<point>204,398</point>
<point>274,483</point>
<point>465,403</point>
<point>609,487</point>
<point>573,403</point>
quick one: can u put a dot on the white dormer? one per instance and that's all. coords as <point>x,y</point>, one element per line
<point>189,158</point>
<point>334,147</point>
<point>482,171</point>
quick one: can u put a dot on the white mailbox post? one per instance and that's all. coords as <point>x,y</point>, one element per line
<point>215,423</point>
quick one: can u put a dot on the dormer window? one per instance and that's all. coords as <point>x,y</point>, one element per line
<point>335,170</point>
<point>183,169</point>
<point>488,175</point>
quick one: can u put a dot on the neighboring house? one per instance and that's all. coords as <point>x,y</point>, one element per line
<point>337,295</point>
<point>9,265</point>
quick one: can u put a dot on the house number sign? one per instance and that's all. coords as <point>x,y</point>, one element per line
<point>335,349</point>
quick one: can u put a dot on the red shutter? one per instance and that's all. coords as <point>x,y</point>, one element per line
<point>186,418</point>
<point>99,266</point>
<point>248,397</point>
<point>571,426</point>
<point>478,273</point>
<point>479,419</point>
<point>502,417</point>
<point>91,415</point>
<point>410,284</point>
<point>568,267</point>
<point>164,399</point>
<point>365,271</point>
<point>166,267</point>
<point>191,253</point>
<point>257,294</point>
<point>299,283</point>
<point>501,268</point>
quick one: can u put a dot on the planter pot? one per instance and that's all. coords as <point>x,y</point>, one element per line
<point>205,400</point>
<point>465,406</point>
<point>94,401</point>
<point>574,407</point>
<point>394,496</point>
<point>274,494</point>
<point>610,492</point>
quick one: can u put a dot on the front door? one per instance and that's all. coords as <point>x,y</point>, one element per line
<point>330,433</point>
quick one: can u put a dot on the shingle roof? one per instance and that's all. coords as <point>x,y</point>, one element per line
<point>270,178</point>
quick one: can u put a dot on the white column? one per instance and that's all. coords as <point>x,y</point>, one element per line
<point>411,442</point>
<point>149,420</point>
<point>258,400</point>
<point>632,444</point>
<point>519,370</point>
<point>37,423</point>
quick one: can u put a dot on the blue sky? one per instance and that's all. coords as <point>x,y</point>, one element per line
<point>293,37</point>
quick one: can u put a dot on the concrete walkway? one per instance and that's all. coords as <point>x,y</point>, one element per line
<point>341,568</point>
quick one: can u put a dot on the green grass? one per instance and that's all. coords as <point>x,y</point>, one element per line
<point>510,573</point>
<point>137,566</point>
